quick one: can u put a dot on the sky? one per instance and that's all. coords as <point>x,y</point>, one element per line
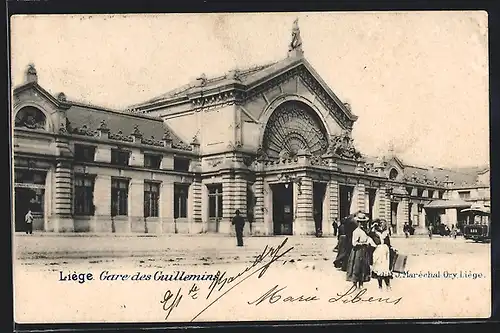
<point>417,81</point>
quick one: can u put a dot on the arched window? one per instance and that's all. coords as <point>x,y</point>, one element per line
<point>31,117</point>
<point>393,174</point>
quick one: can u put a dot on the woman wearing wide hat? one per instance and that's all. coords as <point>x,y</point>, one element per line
<point>358,265</point>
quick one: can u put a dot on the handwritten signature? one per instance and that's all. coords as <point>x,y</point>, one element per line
<point>352,295</point>
<point>224,283</point>
<point>273,254</point>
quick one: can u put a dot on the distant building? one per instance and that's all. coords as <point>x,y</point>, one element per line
<point>273,141</point>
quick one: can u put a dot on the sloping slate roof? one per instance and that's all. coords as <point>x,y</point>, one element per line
<point>448,204</point>
<point>80,115</point>
<point>246,77</point>
<point>458,178</point>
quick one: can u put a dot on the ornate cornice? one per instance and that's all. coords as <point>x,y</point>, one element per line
<point>236,94</point>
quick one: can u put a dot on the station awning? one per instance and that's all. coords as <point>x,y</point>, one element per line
<point>443,204</point>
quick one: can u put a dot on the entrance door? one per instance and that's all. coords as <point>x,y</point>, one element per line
<point>283,209</point>
<point>214,207</point>
<point>319,190</point>
<point>345,198</point>
<point>28,199</point>
<point>394,216</point>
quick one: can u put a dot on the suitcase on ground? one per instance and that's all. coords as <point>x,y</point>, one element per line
<point>399,264</point>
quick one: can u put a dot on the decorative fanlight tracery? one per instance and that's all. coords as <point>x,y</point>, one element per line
<point>291,128</point>
<point>30,117</point>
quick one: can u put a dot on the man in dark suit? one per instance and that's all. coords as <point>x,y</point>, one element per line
<point>239,224</point>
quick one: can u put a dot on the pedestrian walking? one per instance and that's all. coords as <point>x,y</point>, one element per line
<point>341,245</point>
<point>335,227</point>
<point>28,218</point>
<point>381,268</point>
<point>239,224</point>
<point>430,231</point>
<point>406,229</point>
<point>358,266</point>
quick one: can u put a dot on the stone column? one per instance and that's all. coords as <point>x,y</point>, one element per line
<point>63,200</point>
<point>136,221</point>
<point>47,210</point>
<point>240,199</point>
<point>381,202</point>
<point>102,202</point>
<point>268,209</point>
<point>195,199</point>
<point>167,208</point>
<point>258,227</point>
<point>358,203</point>
<point>304,221</point>
<point>227,204</point>
<point>333,198</point>
<point>402,215</point>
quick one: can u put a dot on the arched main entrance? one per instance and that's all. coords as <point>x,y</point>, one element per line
<point>294,126</point>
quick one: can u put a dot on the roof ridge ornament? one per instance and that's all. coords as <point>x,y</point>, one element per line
<point>31,74</point>
<point>295,46</point>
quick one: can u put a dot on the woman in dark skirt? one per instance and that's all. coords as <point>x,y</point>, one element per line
<point>345,242</point>
<point>341,246</point>
<point>358,265</point>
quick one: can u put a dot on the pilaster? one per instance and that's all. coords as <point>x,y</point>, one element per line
<point>167,208</point>
<point>103,154</point>
<point>136,158</point>
<point>360,193</point>
<point>381,202</point>
<point>227,204</point>
<point>63,201</point>
<point>195,199</point>
<point>333,199</point>
<point>304,221</point>
<point>136,221</point>
<point>402,215</point>
<point>102,202</point>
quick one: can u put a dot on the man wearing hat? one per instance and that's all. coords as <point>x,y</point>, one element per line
<point>239,224</point>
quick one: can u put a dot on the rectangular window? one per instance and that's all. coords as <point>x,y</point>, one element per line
<point>29,176</point>
<point>464,195</point>
<point>119,197</point>
<point>120,157</point>
<point>151,199</point>
<point>152,161</point>
<point>84,195</point>
<point>215,201</point>
<point>84,153</point>
<point>180,200</point>
<point>181,164</point>
<point>440,194</point>
<point>420,193</point>
<point>431,193</point>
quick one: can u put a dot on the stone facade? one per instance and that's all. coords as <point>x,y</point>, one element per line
<point>185,161</point>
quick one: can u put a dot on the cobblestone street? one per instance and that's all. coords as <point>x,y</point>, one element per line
<point>202,249</point>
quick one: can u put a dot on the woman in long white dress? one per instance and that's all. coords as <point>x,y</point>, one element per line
<point>381,269</point>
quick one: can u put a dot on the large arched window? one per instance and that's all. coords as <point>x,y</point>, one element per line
<point>393,174</point>
<point>292,127</point>
<point>31,117</point>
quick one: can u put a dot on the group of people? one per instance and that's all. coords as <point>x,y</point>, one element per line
<point>364,250</point>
